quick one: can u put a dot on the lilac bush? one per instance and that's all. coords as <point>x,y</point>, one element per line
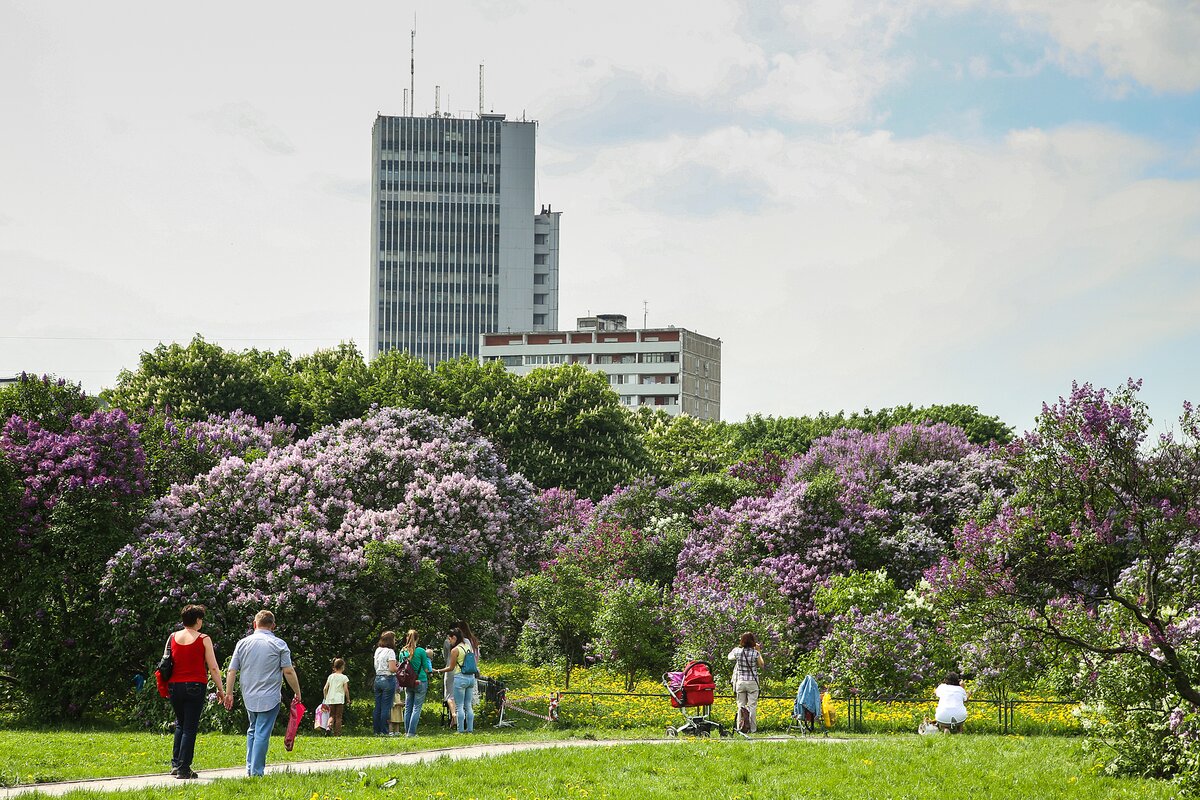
<point>1094,557</point>
<point>880,653</point>
<point>334,533</point>
<point>854,501</point>
<point>78,492</point>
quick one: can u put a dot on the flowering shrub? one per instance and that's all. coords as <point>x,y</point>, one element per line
<point>1095,556</point>
<point>328,532</point>
<point>78,494</point>
<point>855,500</point>
<point>880,653</point>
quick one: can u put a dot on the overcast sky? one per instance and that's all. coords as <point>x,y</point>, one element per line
<point>870,203</point>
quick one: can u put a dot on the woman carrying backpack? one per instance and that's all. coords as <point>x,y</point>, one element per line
<point>414,696</point>
<point>463,667</point>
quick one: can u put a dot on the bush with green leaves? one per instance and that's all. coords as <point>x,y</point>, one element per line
<point>559,604</point>
<point>633,629</point>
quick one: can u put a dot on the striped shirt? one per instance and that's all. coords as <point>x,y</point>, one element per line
<point>745,664</point>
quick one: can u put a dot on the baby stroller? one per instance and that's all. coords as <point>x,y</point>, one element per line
<point>692,692</point>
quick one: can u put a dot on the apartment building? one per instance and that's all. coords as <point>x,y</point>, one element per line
<point>672,369</point>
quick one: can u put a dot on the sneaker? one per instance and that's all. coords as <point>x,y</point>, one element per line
<point>186,775</point>
<point>174,770</point>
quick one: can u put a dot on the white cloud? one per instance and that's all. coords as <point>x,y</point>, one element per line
<point>244,120</point>
<point>882,270</point>
<point>820,88</point>
<point>1154,42</point>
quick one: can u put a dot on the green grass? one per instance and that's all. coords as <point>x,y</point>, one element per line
<point>41,756</point>
<point>897,768</point>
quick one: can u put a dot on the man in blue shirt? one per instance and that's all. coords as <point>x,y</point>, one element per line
<point>262,659</point>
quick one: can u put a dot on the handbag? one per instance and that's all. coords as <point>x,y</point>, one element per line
<point>166,666</point>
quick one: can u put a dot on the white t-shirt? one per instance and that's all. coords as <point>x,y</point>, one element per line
<point>382,656</point>
<point>337,688</point>
<point>951,706</point>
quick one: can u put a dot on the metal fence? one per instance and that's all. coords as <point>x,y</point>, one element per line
<point>855,713</point>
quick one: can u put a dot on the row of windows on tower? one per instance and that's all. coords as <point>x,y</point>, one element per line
<point>454,226</point>
<point>443,245</point>
<point>410,147</point>
<point>472,187</point>
<point>486,166</point>
<point>433,323</point>
<point>432,208</point>
<point>470,267</point>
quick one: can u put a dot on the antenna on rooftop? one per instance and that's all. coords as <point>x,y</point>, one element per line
<point>437,101</point>
<point>645,312</point>
<point>406,101</point>
<point>412,67</point>
<point>481,90</point>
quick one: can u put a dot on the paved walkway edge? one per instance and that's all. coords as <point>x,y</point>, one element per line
<point>33,790</point>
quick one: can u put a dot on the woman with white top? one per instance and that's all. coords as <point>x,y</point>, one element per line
<point>385,682</point>
<point>952,703</point>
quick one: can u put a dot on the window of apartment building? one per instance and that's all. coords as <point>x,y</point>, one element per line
<point>539,319</point>
<point>627,399</point>
<point>540,279</point>
<point>539,299</point>
<point>539,238</point>
<point>659,358</point>
<point>552,358</point>
<point>539,258</point>
<point>512,361</point>
<point>616,380</point>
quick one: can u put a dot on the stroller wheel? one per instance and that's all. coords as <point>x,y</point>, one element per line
<point>672,733</point>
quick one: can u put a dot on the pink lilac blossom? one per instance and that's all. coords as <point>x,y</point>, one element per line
<point>292,530</point>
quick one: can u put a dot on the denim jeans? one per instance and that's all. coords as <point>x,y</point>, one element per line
<point>258,738</point>
<point>188,701</point>
<point>414,699</point>
<point>464,698</point>
<point>385,693</point>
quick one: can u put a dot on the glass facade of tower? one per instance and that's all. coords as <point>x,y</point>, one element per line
<point>452,233</point>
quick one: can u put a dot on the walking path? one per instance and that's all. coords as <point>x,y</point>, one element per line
<point>358,762</point>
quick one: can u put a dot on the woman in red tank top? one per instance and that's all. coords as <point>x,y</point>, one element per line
<point>195,662</point>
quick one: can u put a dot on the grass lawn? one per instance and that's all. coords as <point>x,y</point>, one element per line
<point>34,756</point>
<point>895,767</point>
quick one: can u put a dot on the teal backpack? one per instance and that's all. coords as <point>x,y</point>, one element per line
<point>469,665</point>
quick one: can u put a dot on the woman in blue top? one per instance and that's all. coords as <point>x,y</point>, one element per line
<point>414,699</point>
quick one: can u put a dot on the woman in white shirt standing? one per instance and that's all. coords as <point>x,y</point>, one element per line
<point>747,661</point>
<point>385,682</point>
<point>952,703</point>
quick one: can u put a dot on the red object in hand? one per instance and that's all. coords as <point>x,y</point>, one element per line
<point>294,717</point>
<point>163,688</point>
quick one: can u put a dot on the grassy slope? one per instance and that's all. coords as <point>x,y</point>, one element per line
<point>979,767</point>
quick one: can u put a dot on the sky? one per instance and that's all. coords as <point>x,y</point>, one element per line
<point>870,203</point>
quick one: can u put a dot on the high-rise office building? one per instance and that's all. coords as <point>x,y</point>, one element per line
<point>456,248</point>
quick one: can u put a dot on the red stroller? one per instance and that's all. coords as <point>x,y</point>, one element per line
<point>692,693</point>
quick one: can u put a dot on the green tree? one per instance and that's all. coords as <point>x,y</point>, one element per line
<point>397,379</point>
<point>573,433</point>
<point>633,630</point>
<point>48,401</point>
<point>684,447</point>
<point>560,605</point>
<point>201,378</point>
<point>327,387</point>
